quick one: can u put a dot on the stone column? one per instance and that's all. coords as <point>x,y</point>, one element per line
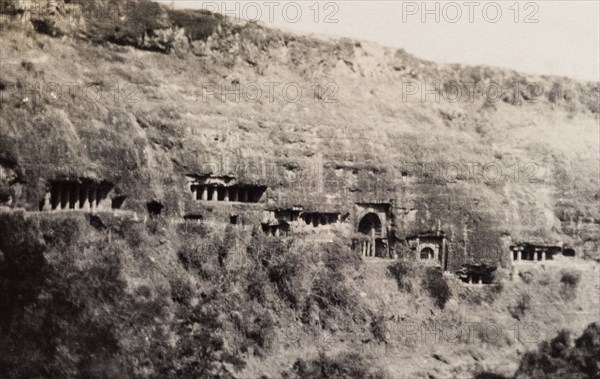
<point>75,195</point>
<point>470,279</point>
<point>86,199</point>
<point>226,194</point>
<point>519,256</point>
<point>54,198</point>
<point>204,193</point>
<point>215,194</point>
<point>194,192</point>
<point>443,255</point>
<point>480,281</point>
<point>47,202</point>
<point>535,255</point>
<point>362,246</point>
<point>543,255</point>
<point>59,196</point>
<point>67,192</point>
<point>93,202</point>
<point>276,231</point>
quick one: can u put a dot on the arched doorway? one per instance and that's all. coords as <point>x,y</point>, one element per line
<point>427,253</point>
<point>370,226</point>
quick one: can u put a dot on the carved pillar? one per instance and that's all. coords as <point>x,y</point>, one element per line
<point>47,202</point>
<point>54,197</point>
<point>93,199</point>
<point>519,256</point>
<point>194,192</point>
<point>67,194</point>
<point>543,255</point>
<point>226,194</point>
<point>372,242</point>
<point>204,193</point>
<point>443,254</point>
<point>59,196</point>
<point>75,195</point>
<point>86,198</point>
<point>215,194</point>
<point>480,281</point>
<point>276,230</point>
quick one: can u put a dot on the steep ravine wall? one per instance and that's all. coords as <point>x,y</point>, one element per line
<point>160,111</point>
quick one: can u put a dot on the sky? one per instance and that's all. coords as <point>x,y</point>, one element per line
<point>537,37</point>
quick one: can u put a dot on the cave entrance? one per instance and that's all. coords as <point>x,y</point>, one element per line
<point>373,245</point>
<point>78,194</point>
<point>154,208</point>
<point>533,253</point>
<point>477,274</point>
<point>320,218</point>
<point>228,193</point>
<point>426,253</point>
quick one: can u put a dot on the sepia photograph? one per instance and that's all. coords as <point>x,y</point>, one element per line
<point>309,189</point>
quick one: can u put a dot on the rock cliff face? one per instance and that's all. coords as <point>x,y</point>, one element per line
<point>157,128</point>
<point>141,96</point>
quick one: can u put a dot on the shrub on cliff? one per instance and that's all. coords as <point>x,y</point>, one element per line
<point>338,256</point>
<point>402,272</point>
<point>200,351</point>
<point>344,366</point>
<point>561,358</point>
<point>569,281</point>
<point>523,305</point>
<point>435,284</point>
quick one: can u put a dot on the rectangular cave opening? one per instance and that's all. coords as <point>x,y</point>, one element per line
<point>235,193</point>
<point>252,194</point>
<point>154,208</point>
<point>533,253</point>
<point>117,202</point>
<point>82,194</point>
<point>320,218</point>
<point>477,274</point>
<point>193,218</point>
<point>276,230</point>
<point>288,215</point>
